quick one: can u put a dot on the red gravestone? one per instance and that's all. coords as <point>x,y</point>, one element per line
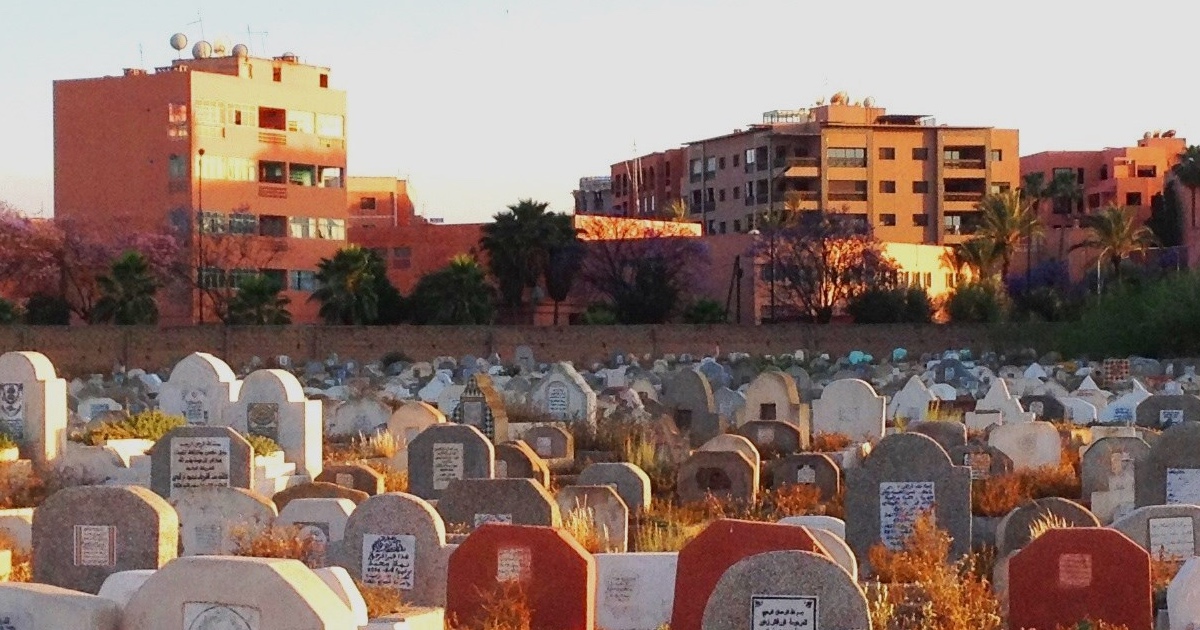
<point>721,545</point>
<point>556,574</point>
<point>1067,575</point>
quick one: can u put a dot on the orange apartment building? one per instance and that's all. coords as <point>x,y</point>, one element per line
<point>644,186</point>
<point>244,157</point>
<point>912,180</point>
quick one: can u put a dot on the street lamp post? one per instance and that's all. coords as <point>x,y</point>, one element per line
<point>200,240</point>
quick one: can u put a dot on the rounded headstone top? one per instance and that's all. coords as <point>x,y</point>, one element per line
<point>903,450</point>
<point>36,363</point>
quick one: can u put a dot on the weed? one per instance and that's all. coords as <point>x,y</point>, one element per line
<point>277,541</point>
<point>1045,524</point>
<point>22,562</point>
<point>262,445</point>
<point>1002,494</point>
<point>6,442</point>
<point>21,490</point>
<point>147,425</point>
<point>381,600</point>
<point>505,607</point>
<point>580,523</point>
<point>829,442</point>
<point>393,480</point>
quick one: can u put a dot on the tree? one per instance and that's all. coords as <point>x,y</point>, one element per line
<point>975,255</point>
<point>1166,217</point>
<point>1115,232</point>
<point>1007,219</point>
<point>562,267</point>
<point>1187,171</point>
<point>518,244</point>
<point>823,260</point>
<point>258,303</point>
<point>127,293</point>
<point>42,309</point>
<point>458,294</point>
<point>676,210</point>
<point>348,286</point>
<point>219,255</point>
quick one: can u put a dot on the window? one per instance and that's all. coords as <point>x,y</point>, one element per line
<point>302,227</point>
<point>401,257</point>
<point>846,156</point>
<point>920,153</point>
<point>749,190</point>
<point>766,411</point>
<point>697,199</point>
<point>737,160</point>
<point>997,155</point>
<point>238,276</point>
<point>331,177</point>
<point>887,187</point>
<point>302,122</point>
<point>324,81</point>
<point>737,226</point>
<point>272,172</point>
<point>243,223</point>
<point>721,195</point>
<point>272,118</point>
<point>999,187</point>
<point>302,280</point>
<point>920,187</point>
<point>212,278</point>
<point>302,174</point>
<point>331,126</point>
<point>277,74</point>
<point>1103,172</point>
<point>737,192</point>
<point>278,276</point>
<point>887,153</point>
<point>177,120</point>
<point>331,229</point>
<point>177,167</point>
<point>722,225</point>
<point>721,163</point>
<point>920,220</point>
<point>366,203</point>
<point>697,166</point>
<point>1061,172</point>
<point>709,195</point>
<point>1133,199</point>
<point>712,223</point>
<point>272,225</point>
<point>750,155</point>
<point>1147,171</point>
<point>711,165</point>
<point>888,220</point>
<point>928,279</point>
<point>213,223</point>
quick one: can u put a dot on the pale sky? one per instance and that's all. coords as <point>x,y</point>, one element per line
<point>482,102</point>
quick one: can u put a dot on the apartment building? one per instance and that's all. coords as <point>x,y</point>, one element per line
<point>911,179</point>
<point>644,186</point>
<point>594,195</point>
<point>1125,176</point>
<point>244,158</point>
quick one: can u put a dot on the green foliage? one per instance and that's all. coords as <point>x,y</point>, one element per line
<point>455,295</point>
<point>148,425</point>
<point>977,302</point>
<point>1166,217</point>
<point>518,244</point>
<point>599,315</point>
<point>1007,219</point>
<point>879,305</point>
<point>262,445</point>
<point>127,293</point>
<point>258,303</point>
<point>10,313</point>
<point>1045,304</point>
<point>354,289</point>
<point>6,442</point>
<point>705,312</point>
<point>1156,319</point>
<point>47,310</point>
<point>653,296</point>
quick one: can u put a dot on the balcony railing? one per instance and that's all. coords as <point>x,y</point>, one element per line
<point>806,162</point>
<point>848,162</point>
<point>271,137</point>
<point>964,164</point>
<point>694,177</point>
<point>961,229</point>
<point>279,191</point>
<point>963,196</point>
<point>847,196</point>
<point>761,199</point>
<point>802,195</point>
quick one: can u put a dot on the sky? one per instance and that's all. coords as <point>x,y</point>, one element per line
<point>479,103</point>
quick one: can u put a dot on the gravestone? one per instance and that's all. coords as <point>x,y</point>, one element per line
<point>81,535</point>
<point>1182,603</point>
<point>33,405</point>
<point>849,407</point>
<point>565,396</point>
<point>837,548</point>
<point>949,435</point>
<point>604,508</point>
<point>212,518</point>
<point>481,405</point>
<point>1123,409</point>
<point>1165,531</point>
<point>1163,411</point>
<point>316,490</point>
<point>735,443</point>
<point>271,404</point>
<point>515,460</point>
<point>1107,475</point>
<point>1067,575</point>
<point>34,606</point>
<point>773,396</point>
<point>230,593</point>
<point>813,469</point>
<point>556,575</point>
<point>523,357</point>
<point>200,456</point>
<point>722,474</point>
<point>445,453</point>
<point>722,544</point>
<point>731,405</point>
<point>630,482</point>
<point>911,403</point>
<point>836,526</point>
<point>200,388</point>
<point>998,406</point>
<point>406,423</point>
<point>984,461</point>
<point>1170,472</point>
<point>323,521</point>
<point>354,476</point>
<point>398,540</point>
<point>906,475</point>
<point>1029,444</point>
<point>551,442</point>
<point>1013,530</point>
<point>773,437</point>
<point>471,503</point>
<point>786,589</point>
<point>1078,411</point>
<point>634,590</point>
<point>364,416</point>
<point>688,397</point>
<point>100,408</point>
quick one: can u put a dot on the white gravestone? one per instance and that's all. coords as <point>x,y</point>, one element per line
<point>1183,486</point>
<point>199,461</point>
<point>447,464</point>
<point>1172,537</point>
<point>389,560</point>
<point>206,616</point>
<point>900,503</point>
<point>775,612</point>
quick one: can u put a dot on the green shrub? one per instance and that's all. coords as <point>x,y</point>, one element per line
<point>705,312</point>
<point>1158,319</point>
<point>47,310</point>
<point>147,425</point>
<point>977,302</point>
<point>599,315</point>
<point>10,313</point>
<point>883,306</point>
<point>1045,304</point>
<point>263,445</point>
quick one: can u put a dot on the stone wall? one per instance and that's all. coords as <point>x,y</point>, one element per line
<point>93,349</point>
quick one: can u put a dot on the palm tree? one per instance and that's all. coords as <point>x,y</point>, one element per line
<point>455,295</point>
<point>677,210</point>
<point>1007,219</point>
<point>975,255</point>
<point>348,286</point>
<point>562,267</point>
<point>518,244</point>
<point>1115,232</point>
<point>1187,171</point>
<point>258,303</point>
<point>127,293</point>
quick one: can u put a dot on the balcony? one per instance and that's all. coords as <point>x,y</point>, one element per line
<point>848,196</point>
<point>802,195</point>
<point>840,162</point>
<point>805,162</point>
<point>273,191</point>
<point>969,197</point>
<point>964,164</point>
<point>272,137</point>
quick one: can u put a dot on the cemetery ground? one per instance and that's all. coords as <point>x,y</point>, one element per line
<point>573,505</point>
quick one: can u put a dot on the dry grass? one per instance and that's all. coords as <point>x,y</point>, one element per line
<point>22,562</point>
<point>1045,524</point>
<point>944,412</point>
<point>936,594</point>
<point>1001,494</point>
<point>580,523</point>
<point>18,490</point>
<point>506,607</point>
<point>381,444</point>
<point>382,600</point>
<point>1091,624</point>
<point>393,480</point>
<point>277,541</point>
<point>342,450</point>
<point>829,442</point>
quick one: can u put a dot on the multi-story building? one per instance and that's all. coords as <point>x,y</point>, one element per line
<point>1124,176</point>
<point>646,185</point>
<point>242,157</point>
<point>912,180</point>
<point>594,195</point>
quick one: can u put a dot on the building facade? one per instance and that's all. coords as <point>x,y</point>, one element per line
<point>912,180</point>
<point>645,186</point>
<point>594,195</point>
<point>243,158</point>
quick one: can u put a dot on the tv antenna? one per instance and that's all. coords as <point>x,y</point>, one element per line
<point>200,21</point>
<point>262,36</point>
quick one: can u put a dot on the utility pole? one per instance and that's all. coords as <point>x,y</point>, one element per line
<point>200,240</point>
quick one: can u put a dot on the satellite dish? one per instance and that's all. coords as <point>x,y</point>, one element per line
<point>179,41</point>
<point>241,51</point>
<point>220,46</point>
<point>202,50</point>
<point>1147,135</point>
<point>1170,133</point>
<point>869,101</point>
